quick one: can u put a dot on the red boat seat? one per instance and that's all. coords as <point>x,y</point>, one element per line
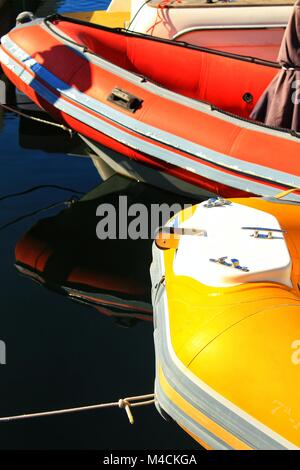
<point>231,84</point>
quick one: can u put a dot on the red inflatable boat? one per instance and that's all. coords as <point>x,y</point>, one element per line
<point>152,104</point>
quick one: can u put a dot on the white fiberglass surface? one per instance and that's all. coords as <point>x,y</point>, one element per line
<point>248,254</point>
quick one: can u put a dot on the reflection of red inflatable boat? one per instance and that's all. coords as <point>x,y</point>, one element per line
<point>180,110</point>
<point>63,254</point>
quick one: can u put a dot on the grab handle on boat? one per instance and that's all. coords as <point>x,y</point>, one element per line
<point>125,100</point>
<point>168,237</point>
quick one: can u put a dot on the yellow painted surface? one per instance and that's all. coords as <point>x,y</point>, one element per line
<point>120,5</point>
<point>112,19</point>
<point>196,415</point>
<point>244,341</point>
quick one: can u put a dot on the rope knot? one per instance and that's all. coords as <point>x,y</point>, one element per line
<point>124,404</point>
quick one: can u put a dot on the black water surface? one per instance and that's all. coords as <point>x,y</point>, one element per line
<point>61,353</point>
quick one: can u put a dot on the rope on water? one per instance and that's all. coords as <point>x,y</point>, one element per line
<point>34,118</point>
<point>40,186</point>
<point>31,214</point>
<point>124,404</point>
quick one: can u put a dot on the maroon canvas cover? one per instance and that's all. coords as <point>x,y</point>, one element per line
<point>279,106</point>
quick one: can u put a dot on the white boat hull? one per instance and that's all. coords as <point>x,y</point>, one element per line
<point>108,162</point>
<point>254,31</point>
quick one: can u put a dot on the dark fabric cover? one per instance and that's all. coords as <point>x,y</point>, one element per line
<point>279,106</point>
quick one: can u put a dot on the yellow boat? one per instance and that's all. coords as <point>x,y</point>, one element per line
<point>117,15</point>
<point>225,278</point>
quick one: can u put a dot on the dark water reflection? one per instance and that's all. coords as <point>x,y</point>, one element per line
<point>62,353</point>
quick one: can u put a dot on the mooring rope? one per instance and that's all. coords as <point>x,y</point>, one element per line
<point>34,118</point>
<point>32,213</point>
<point>124,404</point>
<point>40,186</point>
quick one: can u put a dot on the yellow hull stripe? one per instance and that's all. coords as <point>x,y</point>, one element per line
<point>199,417</point>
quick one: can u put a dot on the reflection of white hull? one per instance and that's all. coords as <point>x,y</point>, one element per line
<point>108,162</point>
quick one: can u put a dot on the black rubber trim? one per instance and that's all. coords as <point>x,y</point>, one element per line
<point>124,32</point>
<point>175,44</point>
